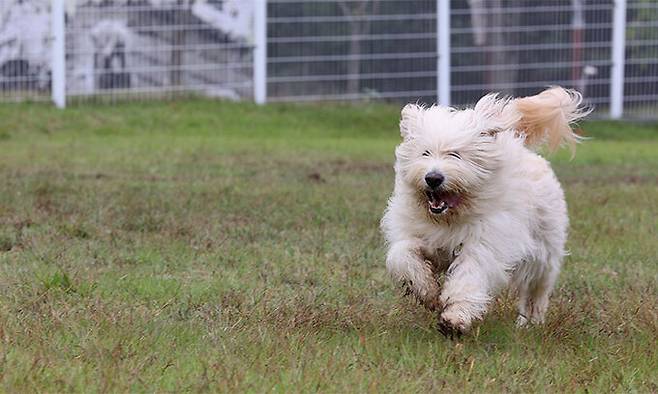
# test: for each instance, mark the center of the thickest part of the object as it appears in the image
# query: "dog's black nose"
(434, 179)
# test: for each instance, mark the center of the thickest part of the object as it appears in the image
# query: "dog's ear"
(493, 114)
(543, 118)
(410, 120)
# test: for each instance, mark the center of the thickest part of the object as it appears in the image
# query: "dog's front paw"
(429, 298)
(452, 325)
(521, 321)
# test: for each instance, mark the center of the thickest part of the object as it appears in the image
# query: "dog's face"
(451, 159)
(447, 157)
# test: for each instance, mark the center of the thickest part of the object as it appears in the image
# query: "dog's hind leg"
(407, 264)
(534, 283)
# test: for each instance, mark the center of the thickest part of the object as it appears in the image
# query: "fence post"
(443, 51)
(260, 51)
(58, 66)
(618, 60)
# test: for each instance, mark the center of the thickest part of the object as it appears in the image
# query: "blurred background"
(444, 51)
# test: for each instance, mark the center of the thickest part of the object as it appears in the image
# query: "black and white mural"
(147, 46)
(24, 45)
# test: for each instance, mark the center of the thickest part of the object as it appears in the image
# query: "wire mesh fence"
(126, 49)
(641, 70)
(121, 49)
(338, 50)
(25, 44)
(519, 50)
(351, 50)
(155, 50)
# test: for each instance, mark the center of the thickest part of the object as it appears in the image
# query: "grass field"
(214, 246)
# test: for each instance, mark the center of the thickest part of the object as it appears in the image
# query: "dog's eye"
(427, 153)
(454, 154)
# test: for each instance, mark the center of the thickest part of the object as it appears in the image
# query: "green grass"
(213, 246)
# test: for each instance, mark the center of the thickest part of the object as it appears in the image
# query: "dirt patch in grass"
(340, 166)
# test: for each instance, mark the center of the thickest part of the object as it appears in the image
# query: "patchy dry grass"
(212, 246)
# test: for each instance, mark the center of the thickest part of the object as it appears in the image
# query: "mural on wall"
(123, 44)
(24, 45)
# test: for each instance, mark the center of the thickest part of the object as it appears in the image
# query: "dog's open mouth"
(440, 201)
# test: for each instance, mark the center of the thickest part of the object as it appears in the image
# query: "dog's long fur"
(507, 217)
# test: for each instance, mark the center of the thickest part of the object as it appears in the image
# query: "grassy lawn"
(215, 246)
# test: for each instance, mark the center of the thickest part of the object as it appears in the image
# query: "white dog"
(471, 200)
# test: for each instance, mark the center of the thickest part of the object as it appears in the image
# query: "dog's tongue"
(451, 199)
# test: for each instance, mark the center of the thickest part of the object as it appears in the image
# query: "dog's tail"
(548, 117)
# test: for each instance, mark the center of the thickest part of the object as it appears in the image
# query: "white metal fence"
(346, 50)
(311, 50)
(640, 79)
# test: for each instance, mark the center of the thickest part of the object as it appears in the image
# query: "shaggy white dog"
(473, 201)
